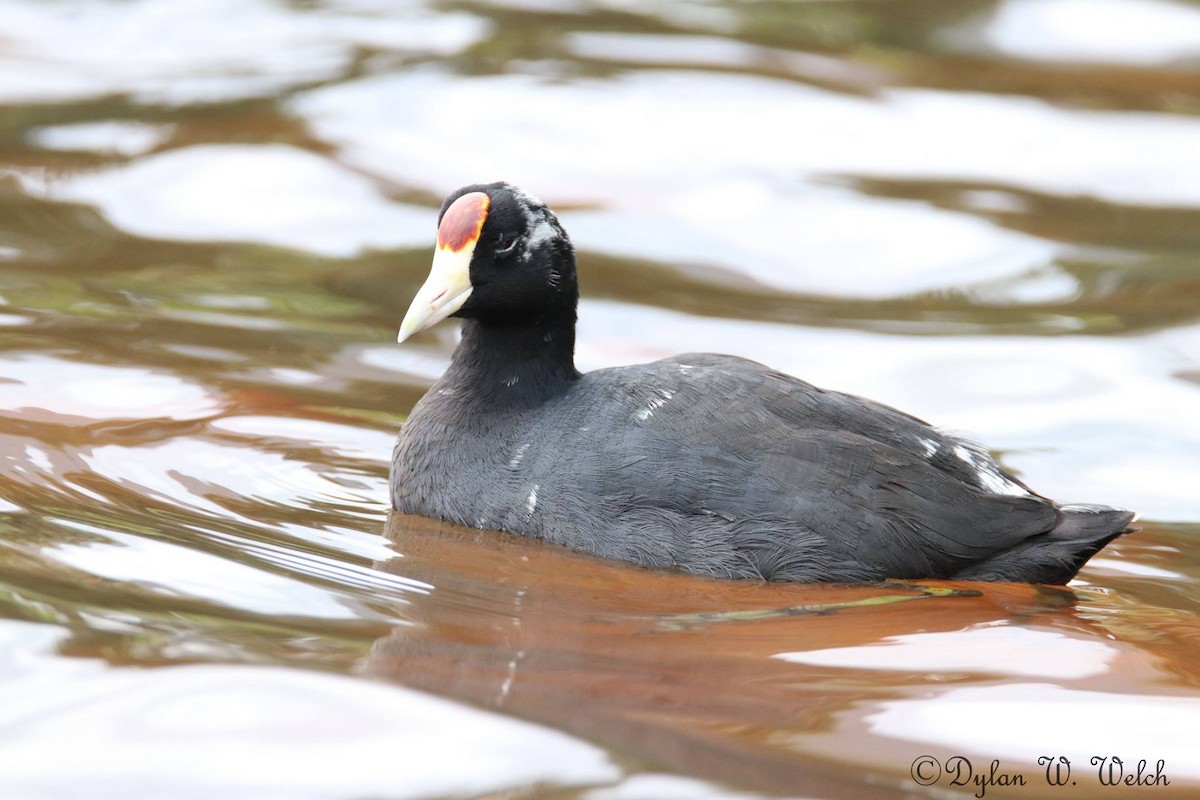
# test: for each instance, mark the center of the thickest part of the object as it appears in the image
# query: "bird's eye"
(506, 243)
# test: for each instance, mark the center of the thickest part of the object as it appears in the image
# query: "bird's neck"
(521, 363)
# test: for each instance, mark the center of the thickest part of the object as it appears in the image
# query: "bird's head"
(501, 257)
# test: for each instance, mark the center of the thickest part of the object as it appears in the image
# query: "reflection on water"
(213, 215)
(774, 686)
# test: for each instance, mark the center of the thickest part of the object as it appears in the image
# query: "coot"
(708, 463)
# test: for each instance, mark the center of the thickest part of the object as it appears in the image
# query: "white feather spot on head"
(541, 231)
(537, 223)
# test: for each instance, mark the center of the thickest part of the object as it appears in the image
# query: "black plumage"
(708, 463)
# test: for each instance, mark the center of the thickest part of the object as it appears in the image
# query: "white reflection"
(348, 441)
(715, 51)
(180, 571)
(705, 129)
(22, 647)
(656, 786)
(38, 458)
(554, 6)
(201, 474)
(1008, 722)
(217, 319)
(737, 213)
(122, 138)
(683, 14)
(295, 377)
(186, 51)
(1133, 568)
(813, 240)
(1129, 31)
(422, 363)
(712, 51)
(997, 649)
(272, 193)
(1045, 285)
(81, 729)
(75, 389)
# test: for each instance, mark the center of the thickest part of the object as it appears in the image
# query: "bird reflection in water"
(681, 671)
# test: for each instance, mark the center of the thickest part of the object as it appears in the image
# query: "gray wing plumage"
(798, 480)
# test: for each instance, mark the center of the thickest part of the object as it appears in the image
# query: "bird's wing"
(725, 437)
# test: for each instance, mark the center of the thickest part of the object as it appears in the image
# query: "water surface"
(213, 215)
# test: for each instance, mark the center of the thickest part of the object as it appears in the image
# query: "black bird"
(708, 463)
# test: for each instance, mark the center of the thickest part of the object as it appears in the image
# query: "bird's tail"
(1056, 556)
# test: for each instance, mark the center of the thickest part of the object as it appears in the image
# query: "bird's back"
(721, 466)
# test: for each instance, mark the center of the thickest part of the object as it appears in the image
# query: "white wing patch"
(988, 473)
(929, 447)
(519, 454)
(531, 501)
(654, 403)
